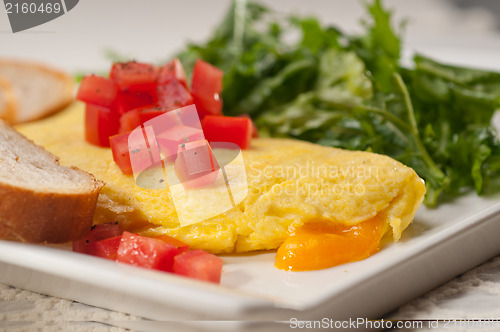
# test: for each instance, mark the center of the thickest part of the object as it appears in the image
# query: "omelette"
(292, 185)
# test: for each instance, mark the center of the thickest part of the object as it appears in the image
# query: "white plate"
(440, 244)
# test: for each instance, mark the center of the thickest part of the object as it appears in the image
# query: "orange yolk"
(320, 245)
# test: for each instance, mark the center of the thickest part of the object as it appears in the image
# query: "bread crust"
(46, 216)
(39, 217)
(8, 113)
(65, 99)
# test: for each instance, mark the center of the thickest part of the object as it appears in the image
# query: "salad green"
(297, 78)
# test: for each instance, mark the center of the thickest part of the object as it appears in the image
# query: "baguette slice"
(38, 90)
(8, 103)
(41, 201)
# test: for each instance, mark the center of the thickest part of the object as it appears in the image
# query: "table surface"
(152, 30)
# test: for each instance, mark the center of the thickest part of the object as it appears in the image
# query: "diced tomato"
(184, 116)
(121, 153)
(196, 165)
(173, 94)
(188, 116)
(147, 252)
(171, 138)
(97, 90)
(85, 245)
(134, 75)
(206, 86)
(104, 231)
(172, 71)
(228, 129)
(97, 233)
(144, 150)
(100, 123)
(128, 100)
(129, 121)
(107, 248)
(136, 117)
(172, 241)
(255, 130)
(149, 113)
(199, 264)
(136, 93)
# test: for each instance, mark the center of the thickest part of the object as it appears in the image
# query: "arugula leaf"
(379, 48)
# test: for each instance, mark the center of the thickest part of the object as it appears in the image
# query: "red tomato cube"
(135, 151)
(136, 117)
(196, 165)
(173, 94)
(129, 121)
(255, 130)
(171, 138)
(100, 123)
(172, 71)
(104, 231)
(107, 248)
(147, 252)
(149, 113)
(128, 100)
(97, 233)
(134, 75)
(188, 116)
(200, 265)
(206, 86)
(97, 90)
(144, 150)
(184, 116)
(228, 129)
(121, 153)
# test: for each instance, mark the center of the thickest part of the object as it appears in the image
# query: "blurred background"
(457, 31)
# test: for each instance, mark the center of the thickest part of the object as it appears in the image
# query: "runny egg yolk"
(320, 245)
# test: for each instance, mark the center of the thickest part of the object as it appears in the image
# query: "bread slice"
(38, 90)
(41, 201)
(8, 103)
